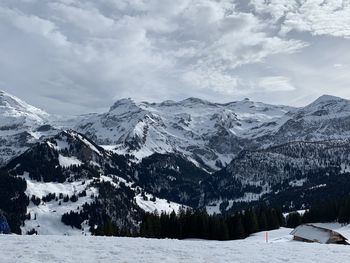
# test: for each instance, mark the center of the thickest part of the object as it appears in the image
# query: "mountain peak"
(17, 107)
(168, 103)
(193, 100)
(126, 102)
(8, 100)
(327, 98)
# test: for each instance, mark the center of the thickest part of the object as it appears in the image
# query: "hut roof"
(343, 230)
(312, 233)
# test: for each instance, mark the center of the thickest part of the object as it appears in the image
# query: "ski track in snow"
(35, 249)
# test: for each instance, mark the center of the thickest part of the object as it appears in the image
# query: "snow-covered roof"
(319, 232)
(343, 230)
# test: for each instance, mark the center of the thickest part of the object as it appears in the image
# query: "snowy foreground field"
(52, 249)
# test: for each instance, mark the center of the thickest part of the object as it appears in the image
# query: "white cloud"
(84, 54)
(87, 19)
(275, 83)
(319, 17)
(215, 81)
(32, 24)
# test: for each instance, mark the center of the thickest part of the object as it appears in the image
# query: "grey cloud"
(78, 56)
(318, 17)
(275, 83)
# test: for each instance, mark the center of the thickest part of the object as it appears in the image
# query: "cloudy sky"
(78, 56)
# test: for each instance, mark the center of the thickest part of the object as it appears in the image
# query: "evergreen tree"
(293, 220)
(238, 232)
(198, 224)
(262, 220)
(250, 222)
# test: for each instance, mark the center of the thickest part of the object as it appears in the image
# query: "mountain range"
(110, 167)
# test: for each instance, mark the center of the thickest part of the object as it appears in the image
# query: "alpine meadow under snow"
(280, 249)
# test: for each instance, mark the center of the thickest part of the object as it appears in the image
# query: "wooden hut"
(318, 234)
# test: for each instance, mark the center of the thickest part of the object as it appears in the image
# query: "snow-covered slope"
(211, 134)
(179, 145)
(292, 176)
(32, 249)
(327, 118)
(207, 133)
(21, 125)
(69, 173)
(17, 112)
(45, 217)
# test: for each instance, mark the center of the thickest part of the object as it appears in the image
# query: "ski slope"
(87, 249)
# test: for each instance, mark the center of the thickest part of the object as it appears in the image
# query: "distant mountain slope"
(210, 134)
(172, 177)
(21, 125)
(327, 118)
(158, 156)
(68, 173)
(292, 175)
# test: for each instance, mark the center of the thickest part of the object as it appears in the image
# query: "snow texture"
(159, 205)
(68, 161)
(179, 126)
(46, 217)
(19, 126)
(87, 249)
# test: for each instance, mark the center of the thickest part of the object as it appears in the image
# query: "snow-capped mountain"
(212, 134)
(69, 178)
(327, 118)
(17, 112)
(107, 169)
(209, 134)
(21, 125)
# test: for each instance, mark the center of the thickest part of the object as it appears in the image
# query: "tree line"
(191, 223)
(13, 200)
(330, 211)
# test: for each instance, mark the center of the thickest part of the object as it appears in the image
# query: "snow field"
(85, 249)
(46, 217)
